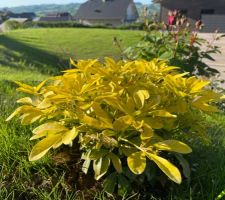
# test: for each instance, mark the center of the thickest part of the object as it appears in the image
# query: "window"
(98, 11)
(183, 11)
(207, 12)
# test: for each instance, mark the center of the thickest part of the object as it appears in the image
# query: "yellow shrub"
(115, 110)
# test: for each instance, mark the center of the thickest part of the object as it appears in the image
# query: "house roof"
(29, 15)
(103, 9)
(20, 20)
(54, 19)
(58, 16)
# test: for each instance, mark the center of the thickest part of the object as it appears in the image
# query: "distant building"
(19, 20)
(8, 14)
(3, 15)
(56, 17)
(4, 26)
(107, 12)
(211, 12)
(28, 15)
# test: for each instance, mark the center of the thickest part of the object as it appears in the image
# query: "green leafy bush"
(74, 24)
(123, 116)
(180, 47)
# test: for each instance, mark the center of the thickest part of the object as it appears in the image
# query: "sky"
(12, 3)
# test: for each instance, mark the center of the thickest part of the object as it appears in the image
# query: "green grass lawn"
(48, 50)
(30, 56)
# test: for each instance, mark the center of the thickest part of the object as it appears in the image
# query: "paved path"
(219, 64)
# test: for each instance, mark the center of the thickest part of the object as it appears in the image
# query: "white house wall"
(131, 12)
(213, 23)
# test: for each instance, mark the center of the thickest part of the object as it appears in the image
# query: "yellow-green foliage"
(116, 111)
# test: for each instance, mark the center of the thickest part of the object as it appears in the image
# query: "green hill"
(46, 8)
(153, 8)
(72, 8)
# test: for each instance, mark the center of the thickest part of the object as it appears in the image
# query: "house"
(4, 14)
(27, 15)
(19, 20)
(56, 17)
(210, 12)
(8, 14)
(6, 27)
(107, 12)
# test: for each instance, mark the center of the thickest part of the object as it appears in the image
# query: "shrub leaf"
(168, 168)
(137, 162)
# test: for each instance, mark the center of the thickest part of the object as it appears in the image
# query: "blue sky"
(11, 3)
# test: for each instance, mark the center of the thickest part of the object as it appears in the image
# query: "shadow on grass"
(18, 54)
